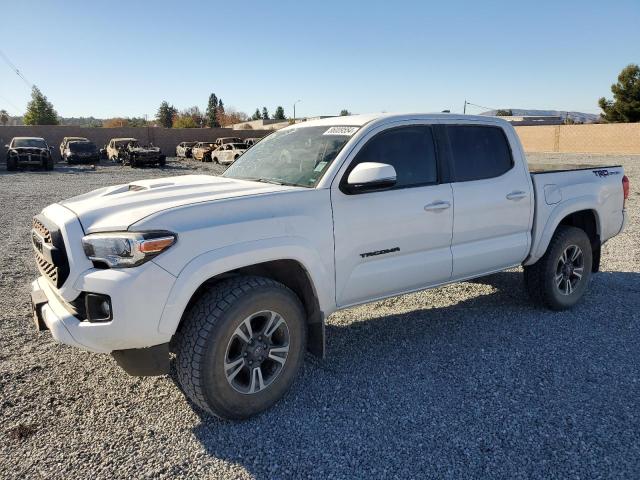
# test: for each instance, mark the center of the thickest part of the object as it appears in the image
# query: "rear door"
(492, 192)
(396, 240)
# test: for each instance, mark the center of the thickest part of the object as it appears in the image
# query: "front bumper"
(138, 296)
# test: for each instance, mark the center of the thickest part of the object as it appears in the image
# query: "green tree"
(212, 112)
(625, 106)
(221, 106)
(256, 115)
(40, 111)
(184, 121)
(345, 113)
(4, 117)
(165, 114)
(504, 113)
(279, 115)
(265, 113)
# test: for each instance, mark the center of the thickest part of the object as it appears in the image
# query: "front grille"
(51, 255)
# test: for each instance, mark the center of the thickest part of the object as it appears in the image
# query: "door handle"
(517, 195)
(437, 206)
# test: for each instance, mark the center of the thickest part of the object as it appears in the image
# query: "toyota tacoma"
(236, 274)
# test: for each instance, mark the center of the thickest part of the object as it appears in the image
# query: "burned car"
(115, 147)
(81, 152)
(183, 150)
(202, 151)
(228, 153)
(29, 151)
(225, 140)
(65, 143)
(128, 151)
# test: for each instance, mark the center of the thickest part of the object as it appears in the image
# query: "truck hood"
(116, 208)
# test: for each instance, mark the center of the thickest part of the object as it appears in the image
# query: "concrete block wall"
(165, 138)
(620, 138)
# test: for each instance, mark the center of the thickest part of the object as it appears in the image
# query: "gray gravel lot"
(468, 380)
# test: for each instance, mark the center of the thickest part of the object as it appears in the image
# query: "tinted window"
(478, 152)
(410, 150)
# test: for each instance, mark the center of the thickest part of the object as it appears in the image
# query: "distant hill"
(578, 117)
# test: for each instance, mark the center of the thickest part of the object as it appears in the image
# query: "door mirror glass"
(370, 176)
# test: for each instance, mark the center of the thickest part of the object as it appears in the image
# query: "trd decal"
(380, 252)
(604, 173)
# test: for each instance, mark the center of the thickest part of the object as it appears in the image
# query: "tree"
(165, 114)
(625, 106)
(40, 111)
(212, 111)
(184, 121)
(115, 122)
(4, 117)
(345, 113)
(265, 113)
(189, 118)
(504, 113)
(279, 115)
(256, 115)
(221, 106)
(231, 116)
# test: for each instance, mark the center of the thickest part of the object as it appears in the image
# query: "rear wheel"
(241, 346)
(559, 279)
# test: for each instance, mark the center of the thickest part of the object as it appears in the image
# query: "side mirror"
(371, 176)
(6, 146)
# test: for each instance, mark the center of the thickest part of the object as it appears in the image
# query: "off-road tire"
(203, 338)
(539, 277)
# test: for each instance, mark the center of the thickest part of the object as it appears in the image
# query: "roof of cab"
(363, 119)
(28, 138)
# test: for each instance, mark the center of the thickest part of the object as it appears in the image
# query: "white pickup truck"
(235, 274)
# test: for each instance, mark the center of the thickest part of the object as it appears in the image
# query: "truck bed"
(538, 168)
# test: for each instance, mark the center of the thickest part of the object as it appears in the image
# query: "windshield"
(29, 142)
(296, 156)
(82, 146)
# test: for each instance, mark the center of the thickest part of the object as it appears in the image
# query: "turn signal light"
(625, 189)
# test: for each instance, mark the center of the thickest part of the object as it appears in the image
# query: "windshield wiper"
(272, 181)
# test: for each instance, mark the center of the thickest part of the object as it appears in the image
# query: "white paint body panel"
(224, 224)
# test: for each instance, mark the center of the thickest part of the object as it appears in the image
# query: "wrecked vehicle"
(183, 150)
(202, 151)
(225, 140)
(67, 140)
(29, 152)
(81, 152)
(128, 151)
(228, 153)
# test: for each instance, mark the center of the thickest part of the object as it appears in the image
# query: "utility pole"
(464, 109)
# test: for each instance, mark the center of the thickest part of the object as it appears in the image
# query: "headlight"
(126, 249)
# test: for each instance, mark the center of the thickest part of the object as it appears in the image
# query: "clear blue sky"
(113, 58)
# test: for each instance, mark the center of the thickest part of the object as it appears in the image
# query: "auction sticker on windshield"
(348, 131)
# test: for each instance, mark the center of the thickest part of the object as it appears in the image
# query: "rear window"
(478, 152)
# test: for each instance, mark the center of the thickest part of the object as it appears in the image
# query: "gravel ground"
(468, 380)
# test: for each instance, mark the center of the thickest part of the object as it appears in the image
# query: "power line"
(476, 105)
(15, 69)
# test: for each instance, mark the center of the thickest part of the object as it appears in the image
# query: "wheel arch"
(587, 219)
(291, 271)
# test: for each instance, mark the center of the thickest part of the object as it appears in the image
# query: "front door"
(396, 240)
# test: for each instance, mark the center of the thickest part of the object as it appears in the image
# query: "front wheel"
(240, 346)
(559, 279)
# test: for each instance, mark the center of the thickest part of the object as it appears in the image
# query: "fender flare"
(216, 262)
(559, 213)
